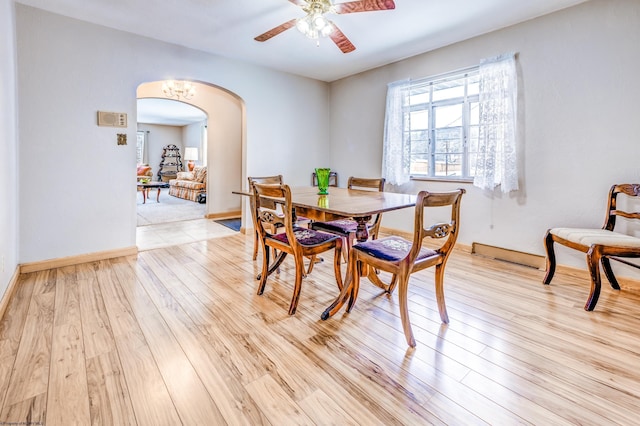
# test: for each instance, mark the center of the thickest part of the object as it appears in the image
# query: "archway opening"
(219, 142)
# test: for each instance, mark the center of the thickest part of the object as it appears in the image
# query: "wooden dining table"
(358, 205)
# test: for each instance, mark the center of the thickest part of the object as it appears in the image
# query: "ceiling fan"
(314, 24)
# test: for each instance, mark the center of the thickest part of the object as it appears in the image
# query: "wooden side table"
(145, 187)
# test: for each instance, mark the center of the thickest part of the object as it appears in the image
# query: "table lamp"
(190, 154)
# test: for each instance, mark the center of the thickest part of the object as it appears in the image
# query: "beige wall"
(9, 146)
(99, 69)
(578, 125)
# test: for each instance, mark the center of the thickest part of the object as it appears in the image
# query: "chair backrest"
(628, 189)
(265, 196)
(449, 230)
(366, 184)
(277, 179)
(369, 184)
(333, 179)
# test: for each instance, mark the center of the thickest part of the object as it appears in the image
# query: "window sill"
(445, 179)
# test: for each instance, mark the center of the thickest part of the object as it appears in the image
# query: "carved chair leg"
(403, 290)
(255, 245)
(265, 269)
(337, 270)
(393, 284)
(608, 272)
(275, 267)
(354, 271)
(593, 264)
(551, 258)
(297, 285)
(442, 306)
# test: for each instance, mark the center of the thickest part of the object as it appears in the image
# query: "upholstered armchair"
(189, 185)
(144, 172)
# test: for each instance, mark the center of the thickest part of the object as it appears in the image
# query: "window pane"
(420, 119)
(448, 116)
(419, 142)
(473, 87)
(449, 142)
(448, 90)
(448, 152)
(419, 164)
(474, 114)
(419, 97)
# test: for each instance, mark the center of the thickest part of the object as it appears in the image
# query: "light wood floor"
(178, 336)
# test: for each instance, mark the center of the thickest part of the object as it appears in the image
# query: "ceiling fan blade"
(275, 31)
(341, 40)
(364, 6)
(298, 2)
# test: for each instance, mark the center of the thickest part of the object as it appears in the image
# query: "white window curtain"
(396, 155)
(497, 161)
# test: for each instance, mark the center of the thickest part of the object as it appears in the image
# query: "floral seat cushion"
(391, 249)
(342, 226)
(305, 237)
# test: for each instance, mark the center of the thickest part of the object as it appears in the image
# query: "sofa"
(189, 185)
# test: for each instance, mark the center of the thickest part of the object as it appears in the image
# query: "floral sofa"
(189, 185)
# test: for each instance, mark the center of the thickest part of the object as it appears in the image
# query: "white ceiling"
(168, 112)
(228, 28)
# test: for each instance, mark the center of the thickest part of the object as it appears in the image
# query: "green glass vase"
(323, 180)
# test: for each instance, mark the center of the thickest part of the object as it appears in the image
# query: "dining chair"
(346, 228)
(277, 179)
(402, 257)
(297, 241)
(600, 245)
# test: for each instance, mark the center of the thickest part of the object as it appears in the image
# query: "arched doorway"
(224, 134)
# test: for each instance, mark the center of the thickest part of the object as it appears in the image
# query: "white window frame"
(426, 87)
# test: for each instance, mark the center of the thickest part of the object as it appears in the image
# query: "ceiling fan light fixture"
(314, 25)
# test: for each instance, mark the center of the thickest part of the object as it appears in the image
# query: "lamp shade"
(191, 153)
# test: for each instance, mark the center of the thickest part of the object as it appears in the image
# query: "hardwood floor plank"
(235, 404)
(189, 395)
(12, 328)
(97, 333)
(150, 399)
(178, 335)
(323, 410)
(275, 403)
(30, 375)
(110, 402)
(67, 398)
(30, 411)
(254, 322)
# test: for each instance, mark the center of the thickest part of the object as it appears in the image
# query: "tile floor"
(172, 233)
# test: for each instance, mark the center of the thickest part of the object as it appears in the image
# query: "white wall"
(579, 125)
(192, 136)
(70, 69)
(158, 137)
(8, 144)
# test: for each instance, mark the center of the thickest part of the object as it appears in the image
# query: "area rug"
(230, 223)
(169, 209)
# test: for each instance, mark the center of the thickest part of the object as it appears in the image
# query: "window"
(458, 126)
(140, 145)
(441, 126)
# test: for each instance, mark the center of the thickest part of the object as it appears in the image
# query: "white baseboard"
(8, 294)
(74, 260)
